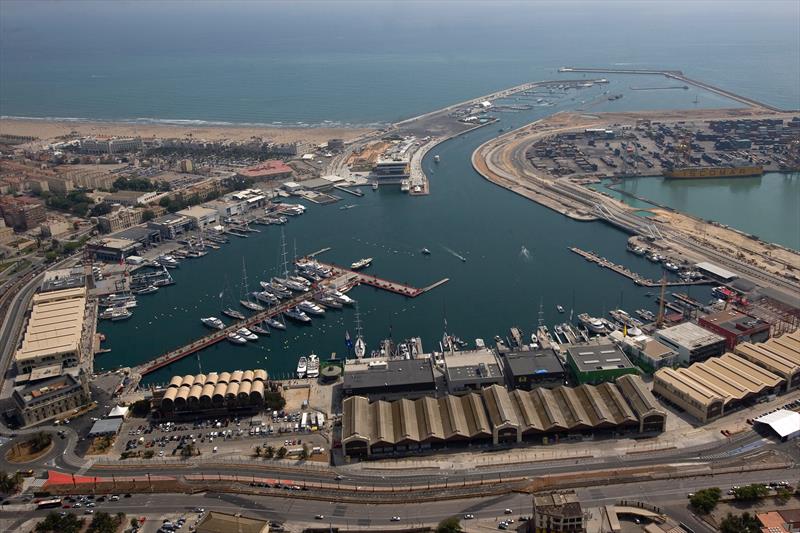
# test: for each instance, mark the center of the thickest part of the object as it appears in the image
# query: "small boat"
(360, 348)
(251, 305)
(302, 365)
(327, 300)
(425, 251)
(374, 185)
(594, 325)
(296, 314)
(436, 158)
(213, 322)
(266, 297)
(310, 308)
(247, 334)
(341, 297)
(361, 263)
(274, 323)
(259, 330)
(312, 366)
(150, 289)
(560, 309)
(236, 339)
(233, 313)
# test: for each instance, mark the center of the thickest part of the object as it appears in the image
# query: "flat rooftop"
(592, 357)
(533, 362)
(472, 364)
(271, 167)
(113, 243)
(404, 372)
(689, 335)
(55, 324)
(716, 271)
(734, 321)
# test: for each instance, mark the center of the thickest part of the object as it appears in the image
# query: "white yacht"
(312, 368)
(274, 323)
(296, 314)
(361, 263)
(311, 308)
(341, 297)
(236, 339)
(247, 334)
(302, 365)
(213, 322)
(594, 325)
(360, 348)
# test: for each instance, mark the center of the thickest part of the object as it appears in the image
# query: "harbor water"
(517, 259)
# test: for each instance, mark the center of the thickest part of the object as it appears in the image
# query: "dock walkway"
(633, 276)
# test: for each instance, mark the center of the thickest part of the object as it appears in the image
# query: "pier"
(354, 192)
(633, 276)
(342, 278)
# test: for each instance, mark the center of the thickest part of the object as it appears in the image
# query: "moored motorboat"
(302, 366)
(247, 334)
(236, 339)
(296, 314)
(233, 313)
(213, 322)
(311, 308)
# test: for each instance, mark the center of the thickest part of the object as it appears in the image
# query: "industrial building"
(228, 390)
(557, 512)
(54, 334)
(645, 351)
(598, 361)
(780, 356)
(46, 399)
(173, 224)
(783, 423)
(471, 370)
(716, 272)
(380, 379)
(735, 327)
(201, 216)
(534, 368)
(112, 249)
(266, 170)
(692, 342)
(713, 388)
(494, 416)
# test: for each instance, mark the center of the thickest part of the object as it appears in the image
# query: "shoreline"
(48, 129)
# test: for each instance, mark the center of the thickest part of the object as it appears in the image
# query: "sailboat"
(229, 311)
(245, 301)
(360, 348)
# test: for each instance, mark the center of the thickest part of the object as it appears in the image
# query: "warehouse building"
(494, 416)
(598, 361)
(780, 356)
(534, 368)
(225, 390)
(379, 379)
(54, 334)
(735, 327)
(472, 370)
(715, 387)
(692, 342)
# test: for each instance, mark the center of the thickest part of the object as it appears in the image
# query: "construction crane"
(660, 319)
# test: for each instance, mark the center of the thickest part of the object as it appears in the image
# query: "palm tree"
(269, 453)
(258, 451)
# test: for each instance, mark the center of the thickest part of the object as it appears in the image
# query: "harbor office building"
(735, 327)
(535, 368)
(56, 332)
(377, 379)
(50, 398)
(691, 342)
(497, 416)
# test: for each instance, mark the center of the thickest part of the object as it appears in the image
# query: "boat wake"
(524, 254)
(455, 254)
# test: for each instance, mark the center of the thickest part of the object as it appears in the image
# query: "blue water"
(364, 63)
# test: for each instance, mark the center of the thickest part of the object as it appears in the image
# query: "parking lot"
(222, 435)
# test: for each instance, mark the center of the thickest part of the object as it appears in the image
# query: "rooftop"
(266, 169)
(472, 364)
(44, 389)
(591, 357)
(135, 233)
(533, 362)
(395, 373)
(170, 218)
(689, 335)
(734, 321)
(105, 426)
(197, 211)
(55, 324)
(216, 522)
(716, 271)
(562, 503)
(113, 243)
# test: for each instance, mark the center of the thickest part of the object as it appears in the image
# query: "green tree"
(55, 523)
(269, 453)
(281, 453)
(10, 483)
(134, 523)
(783, 494)
(305, 453)
(148, 454)
(706, 499)
(148, 214)
(105, 523)
(744, 523)
(750, 492)
(103, 208)
(258, 451)
(449, 525)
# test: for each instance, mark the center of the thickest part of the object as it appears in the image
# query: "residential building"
(691, 342)
(120, 218)
(534, 368)
(22, 213)
(557, 512)
(598, 361)
(736, 327)
(113, 145)
(187, 166)
(51, 398)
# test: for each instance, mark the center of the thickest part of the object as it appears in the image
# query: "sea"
(357, 63)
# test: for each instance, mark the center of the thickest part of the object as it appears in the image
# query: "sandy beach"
(44, 130)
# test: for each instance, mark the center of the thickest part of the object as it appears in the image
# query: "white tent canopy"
(118, 412)
(783, 422)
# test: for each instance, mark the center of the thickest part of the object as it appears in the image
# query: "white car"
(508, 511)
(395, 519)
(215, 449)
(469, 516)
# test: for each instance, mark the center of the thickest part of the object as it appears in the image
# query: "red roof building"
(267, 170)
(736, 327)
